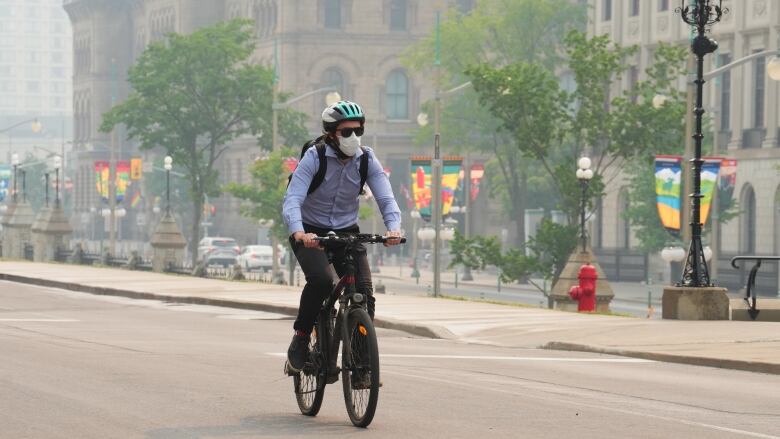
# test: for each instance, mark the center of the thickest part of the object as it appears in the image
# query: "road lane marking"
(580, 405)
(41, 320)
(500, 358)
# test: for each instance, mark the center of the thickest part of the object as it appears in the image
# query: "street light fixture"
(584, 175)
(168, 166)
(702, 15)
(57, 166)
(15, 163)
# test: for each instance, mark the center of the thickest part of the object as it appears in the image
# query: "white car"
(219, 251)
(256, 257)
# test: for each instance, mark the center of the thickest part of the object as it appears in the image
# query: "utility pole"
(112, 168)
(436, 167)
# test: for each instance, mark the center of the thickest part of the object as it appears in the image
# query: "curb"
(428, 331)
(748, 366)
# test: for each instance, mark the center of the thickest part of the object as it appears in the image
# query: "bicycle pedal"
(333, 377)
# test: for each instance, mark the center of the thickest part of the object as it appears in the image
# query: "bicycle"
(351, 325)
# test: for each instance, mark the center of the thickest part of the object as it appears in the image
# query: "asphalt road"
(80, 366)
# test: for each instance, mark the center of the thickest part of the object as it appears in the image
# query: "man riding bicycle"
(316, 204)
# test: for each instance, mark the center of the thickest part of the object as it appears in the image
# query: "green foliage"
(264, 196)
(476, 253)
(545, 253)
(495, 33)
(192, 95)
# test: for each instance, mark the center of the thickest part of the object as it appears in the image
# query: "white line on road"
(488, 357)
(580, 405)
(40, 320)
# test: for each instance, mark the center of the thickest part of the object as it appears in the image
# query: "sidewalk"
(752, 346)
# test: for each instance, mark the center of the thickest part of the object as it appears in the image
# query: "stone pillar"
(168, 244)
(686, 303)
(568, 278)
(51, 231)
(8, 236)
(19, 227)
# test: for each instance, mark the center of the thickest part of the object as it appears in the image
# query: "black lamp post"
(24, 186)
(57, 165)
(168, 167)
(701, 14)
(15, 162)
(46, 188)
(584, 175)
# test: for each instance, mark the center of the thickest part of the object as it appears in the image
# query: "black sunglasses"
(347, 132)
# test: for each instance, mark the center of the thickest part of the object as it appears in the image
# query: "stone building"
(315, 43)
(35, 72)
(745, 104)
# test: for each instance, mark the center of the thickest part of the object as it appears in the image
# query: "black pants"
(322, 277)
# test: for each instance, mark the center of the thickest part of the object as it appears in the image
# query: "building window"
(634, 11)
(397, 95)
(725, 94)
(333, 77)
(760, 88)
(398, 15)
(332, 11)
(663, 5)
(748, 221)
(465, 6)
(606, 8)
(633, 79)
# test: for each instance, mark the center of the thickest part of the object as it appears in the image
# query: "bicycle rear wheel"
(360, 368)
(309, 383)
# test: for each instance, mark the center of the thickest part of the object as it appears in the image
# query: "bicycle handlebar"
(360, 238)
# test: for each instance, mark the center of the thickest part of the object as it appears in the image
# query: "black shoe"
(297, 353)
(362, 380)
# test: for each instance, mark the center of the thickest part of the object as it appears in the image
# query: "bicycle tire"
(309, 383)
(360, 356)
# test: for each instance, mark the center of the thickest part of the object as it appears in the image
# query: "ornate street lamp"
(702, 14)
(15, 163)
(57, 166)
(168, 166)
(584, 175)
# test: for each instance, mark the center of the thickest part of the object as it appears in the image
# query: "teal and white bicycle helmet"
(339, 112)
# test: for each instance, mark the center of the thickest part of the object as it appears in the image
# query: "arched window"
(398, 15)
(465, 6)
(333, 77)
(332, 10)
(397, 90)
(747, 221)
(624, 226)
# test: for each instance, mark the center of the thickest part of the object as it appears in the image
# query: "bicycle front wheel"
(309, 383)
(360, 368)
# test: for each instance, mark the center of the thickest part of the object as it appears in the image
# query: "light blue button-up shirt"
(335, 203)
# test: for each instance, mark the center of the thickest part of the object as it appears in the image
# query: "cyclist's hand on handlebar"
(396, 235)
(307, 239)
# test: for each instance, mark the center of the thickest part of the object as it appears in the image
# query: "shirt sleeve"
(383, 193)
(299, 190)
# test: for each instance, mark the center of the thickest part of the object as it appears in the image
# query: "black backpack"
(316, 181)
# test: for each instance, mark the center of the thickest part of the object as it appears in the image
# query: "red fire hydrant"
(585, 292)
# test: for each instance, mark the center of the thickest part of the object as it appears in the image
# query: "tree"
(497, 33)
(192, 95)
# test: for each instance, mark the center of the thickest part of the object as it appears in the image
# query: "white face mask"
(349, 145)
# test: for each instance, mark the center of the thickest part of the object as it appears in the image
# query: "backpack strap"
(319, 177)
(363, 170)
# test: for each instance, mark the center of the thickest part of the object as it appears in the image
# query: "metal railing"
(750, 288)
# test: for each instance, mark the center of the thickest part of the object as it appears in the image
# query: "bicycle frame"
(344, 292)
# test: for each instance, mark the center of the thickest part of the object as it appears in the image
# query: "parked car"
(219, 251)
(256, 257)
(225, 257)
